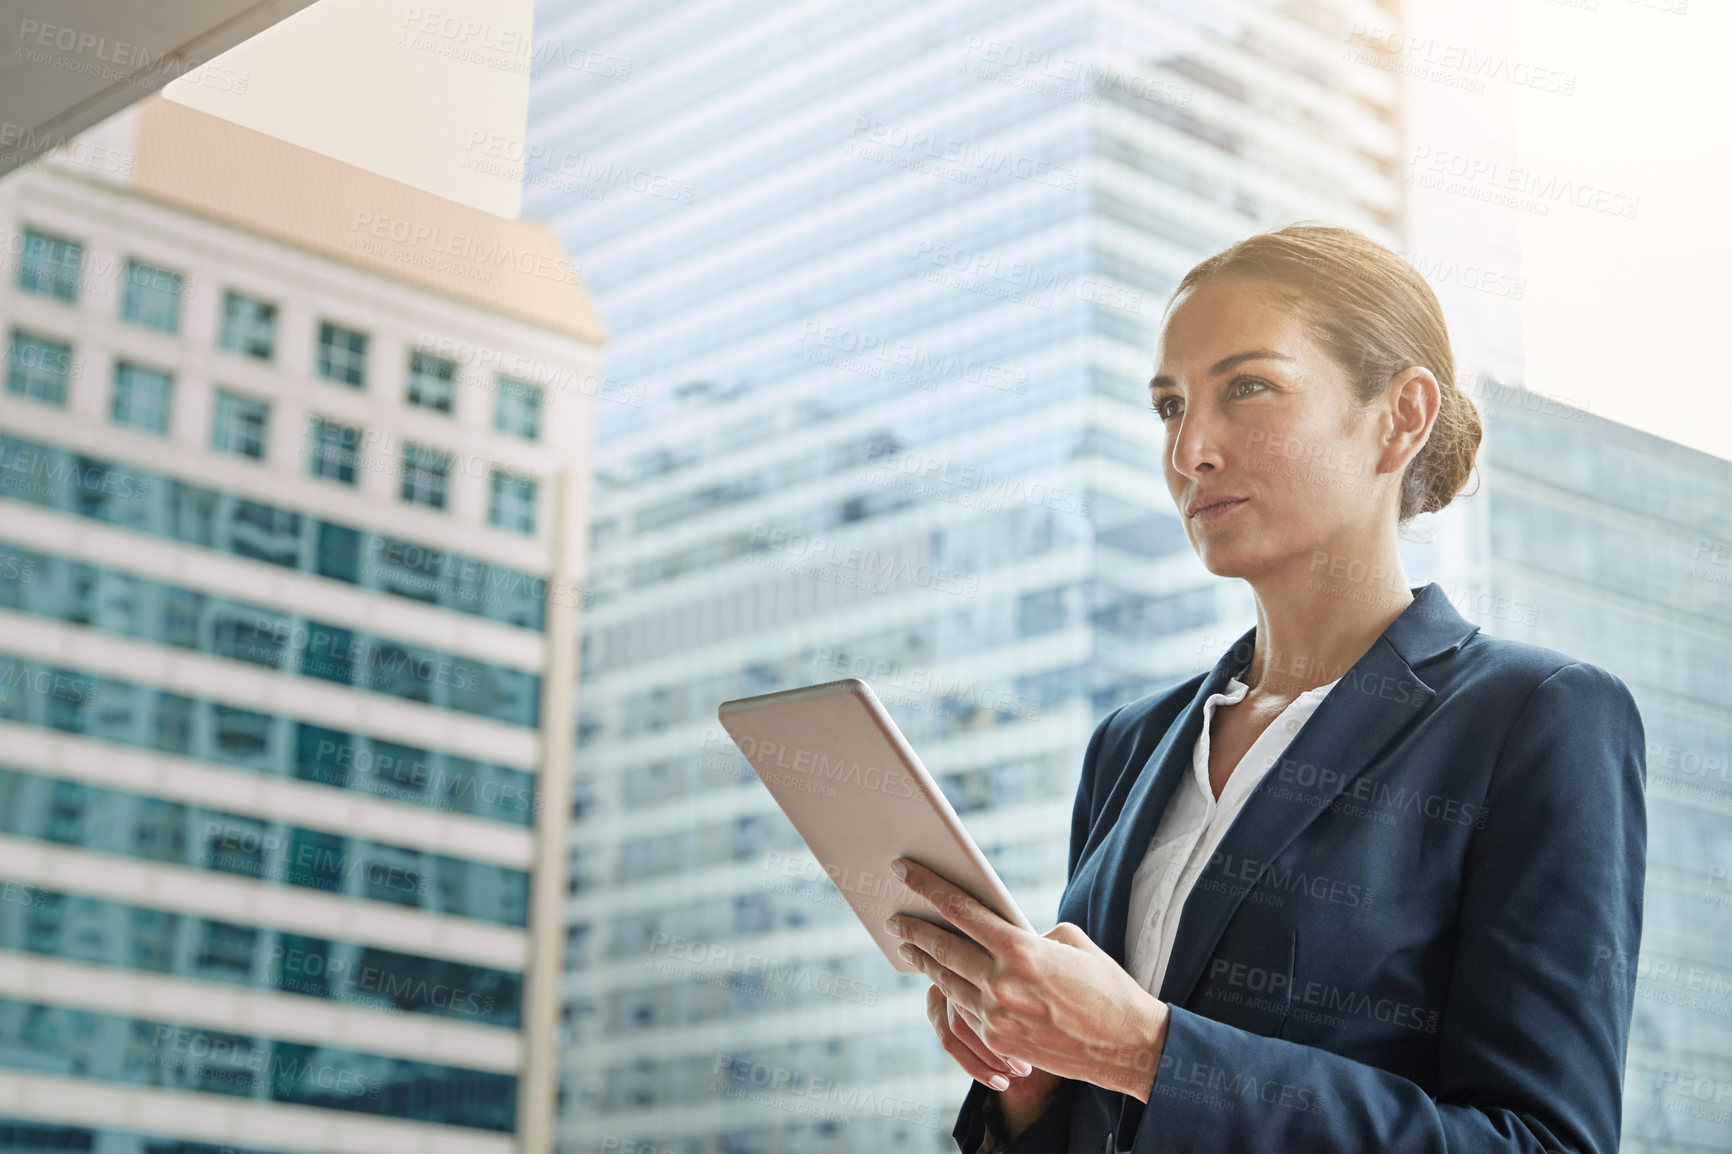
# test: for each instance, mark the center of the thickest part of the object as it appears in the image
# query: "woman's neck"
(1307, 641)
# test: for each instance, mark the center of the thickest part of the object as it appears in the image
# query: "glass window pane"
(334, 450)
(519, 408)
(425, 472)
(37, 367)
(513, 502)
(238, 425)
(342, 355)
(249, 326)
(140, 397)
(49, 265)
(150, 297)
(430, 381)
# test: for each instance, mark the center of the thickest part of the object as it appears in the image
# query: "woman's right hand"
(1029, 1088)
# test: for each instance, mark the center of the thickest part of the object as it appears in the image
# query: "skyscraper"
(293, 480)
(889, 277)
(1615, 546)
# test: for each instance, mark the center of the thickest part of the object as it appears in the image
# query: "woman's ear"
(1413, 398)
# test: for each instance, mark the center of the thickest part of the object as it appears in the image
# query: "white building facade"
(294, 465)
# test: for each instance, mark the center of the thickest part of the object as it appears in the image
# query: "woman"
(1408, 856)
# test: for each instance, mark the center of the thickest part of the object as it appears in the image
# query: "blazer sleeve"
(1051, 1131)
(1536, 1016)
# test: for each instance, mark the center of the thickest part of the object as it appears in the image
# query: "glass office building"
(285, 690)
(889, 278)
(1615, 546)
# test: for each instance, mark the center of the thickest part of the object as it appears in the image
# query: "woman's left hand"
(1056, 1000)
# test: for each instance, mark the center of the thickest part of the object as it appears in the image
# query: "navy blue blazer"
(1417, 936)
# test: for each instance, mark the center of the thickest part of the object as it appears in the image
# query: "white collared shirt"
(1190, 828)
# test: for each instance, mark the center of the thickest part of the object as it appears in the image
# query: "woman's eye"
(1159, 408)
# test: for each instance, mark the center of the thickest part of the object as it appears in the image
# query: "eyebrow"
(1223, 365)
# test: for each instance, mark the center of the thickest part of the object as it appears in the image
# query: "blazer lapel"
(1376, 699)
(1124, 847)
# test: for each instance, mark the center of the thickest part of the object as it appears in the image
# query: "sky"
(1616, 306)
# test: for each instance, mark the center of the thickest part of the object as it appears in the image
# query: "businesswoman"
(1374, 882)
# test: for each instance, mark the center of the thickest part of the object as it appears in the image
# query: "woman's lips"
(1216, 512)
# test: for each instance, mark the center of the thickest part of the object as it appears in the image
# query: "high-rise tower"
(889, 277)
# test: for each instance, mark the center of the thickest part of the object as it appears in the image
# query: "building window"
(229, 949)
(38, 367)
(513, 503)
(425, 472)
(238, 425)
(342, 354)
(49, 265)
(249, 326)
(334, 450)
(519, 409)
(150, 296)
(430, 381)
(140, 397)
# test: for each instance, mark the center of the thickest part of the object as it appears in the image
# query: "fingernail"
(897, 868)
(998, 1082)
(1023, 1069)
(891, 927)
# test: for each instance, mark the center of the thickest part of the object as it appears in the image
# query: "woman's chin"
(1225, 560)
(1223, 563)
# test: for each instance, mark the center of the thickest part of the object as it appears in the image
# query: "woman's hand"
(1056, 1001)
(1028, 1089)
(963, 1044)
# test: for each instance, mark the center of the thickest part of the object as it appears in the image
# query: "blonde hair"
(1375, 315)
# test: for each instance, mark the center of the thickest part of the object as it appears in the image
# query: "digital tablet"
(856, 793)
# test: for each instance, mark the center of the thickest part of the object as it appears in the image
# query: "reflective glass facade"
(25, 1136)
(131, 825)
(147, 501)
(133, 606)
(115, 1048)
(35, 693)
(1614, 546)
(80, 928)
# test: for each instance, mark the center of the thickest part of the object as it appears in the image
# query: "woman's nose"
(1196, 445)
